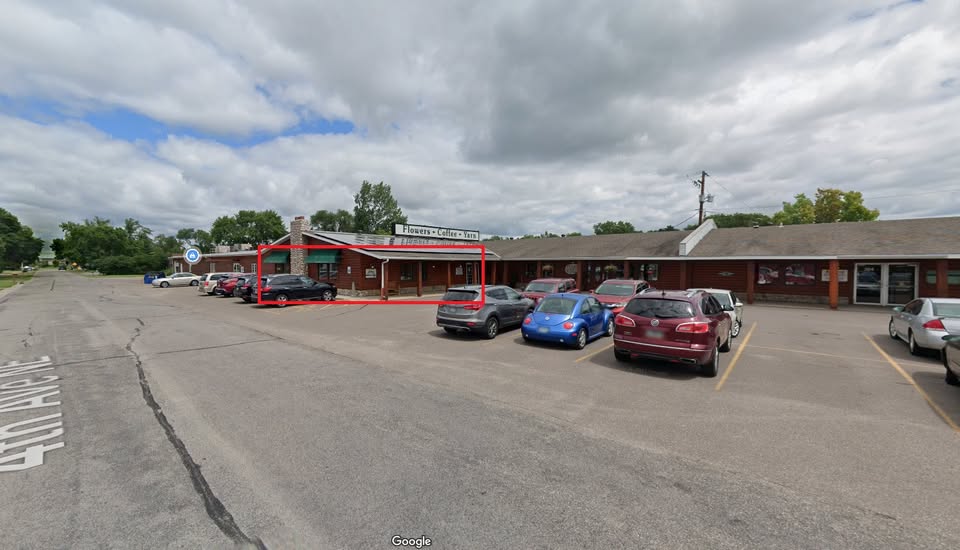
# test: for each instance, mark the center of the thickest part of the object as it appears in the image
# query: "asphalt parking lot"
(338, 424)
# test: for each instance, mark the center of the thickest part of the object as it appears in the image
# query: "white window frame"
(253, 267)
(176, 267)
(237, 267)
(213, 267)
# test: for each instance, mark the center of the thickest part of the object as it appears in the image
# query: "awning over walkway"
(323, 257)
(277, 257)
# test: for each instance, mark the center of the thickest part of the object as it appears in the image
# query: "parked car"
(615, 293)
(62, 268)
(177, 279)
(503, 307)
(571, 319)
(951, 358)
(208, 282)
(922, 323)
(286, 287)
(226, 285)
(239, 284)
(538, 288)
(677, 326)
(731, 304)
(248, 290)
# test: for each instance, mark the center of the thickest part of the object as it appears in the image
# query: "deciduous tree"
(376, 210)
(610, 227)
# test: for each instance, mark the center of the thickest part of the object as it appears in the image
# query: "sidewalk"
(405, 297)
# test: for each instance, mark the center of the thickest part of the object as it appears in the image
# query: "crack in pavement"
(215, 508)
(217, 347)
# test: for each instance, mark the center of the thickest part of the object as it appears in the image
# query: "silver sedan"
(923, 323)
(177, 279)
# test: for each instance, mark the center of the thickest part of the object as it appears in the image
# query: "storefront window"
(649, 272)
(953, 277)
(407, 272)
(768, 274)
(530, 270)
(237, 268)
(799, 274)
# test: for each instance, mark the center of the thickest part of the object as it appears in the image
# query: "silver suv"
(504, 307)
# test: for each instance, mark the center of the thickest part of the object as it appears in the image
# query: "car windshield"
(541, 287)
(723, 298)
(941, 309)
(557, 305)
(615, 289)
(460, 296)
(660, 308)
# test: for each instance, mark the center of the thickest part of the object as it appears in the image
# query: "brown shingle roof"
(922, 236)
(625, 245)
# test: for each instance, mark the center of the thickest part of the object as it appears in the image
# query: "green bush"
(130, 265)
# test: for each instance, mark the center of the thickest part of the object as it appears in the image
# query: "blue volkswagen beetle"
(571, 319)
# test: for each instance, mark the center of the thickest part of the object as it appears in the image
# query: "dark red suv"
(677, 326)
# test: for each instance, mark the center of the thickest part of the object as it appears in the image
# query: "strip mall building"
(879, 262)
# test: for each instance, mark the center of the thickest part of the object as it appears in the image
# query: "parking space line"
(913, 383)
(836, 356)
(589, 355)
(736, 357)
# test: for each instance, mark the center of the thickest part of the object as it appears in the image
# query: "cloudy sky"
(508, 117)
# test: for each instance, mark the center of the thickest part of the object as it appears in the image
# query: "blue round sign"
(192, 256)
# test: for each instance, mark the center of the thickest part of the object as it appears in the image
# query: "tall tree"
(195, 237)
(57, 246)
(247, 226)
(802, 210)
(574, 234)
(833, 205)
(741, 219)
(18, 245)
(267, 227)
(375, 210)
(341, 220)
(610, 227)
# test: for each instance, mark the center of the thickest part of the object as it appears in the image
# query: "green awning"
(323, 257)
(278, 257)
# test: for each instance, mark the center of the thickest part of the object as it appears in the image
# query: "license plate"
(543, 330)
(654, 334)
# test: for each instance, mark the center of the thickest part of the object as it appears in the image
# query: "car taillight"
(936, 324)
(473, 307)
(527, 321)
(267, 289)
(568, 325)
(624, 321)
(694, 328)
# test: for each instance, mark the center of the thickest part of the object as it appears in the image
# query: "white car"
(177, 279)
(208, 282)
(731, 305)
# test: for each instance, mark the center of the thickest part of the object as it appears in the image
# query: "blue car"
(571, 319)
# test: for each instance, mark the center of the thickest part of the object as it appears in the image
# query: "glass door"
(869, 279)
(901, 283)
(469, 273)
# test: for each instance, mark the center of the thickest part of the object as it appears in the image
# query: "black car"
(284, 288)
(248, 290)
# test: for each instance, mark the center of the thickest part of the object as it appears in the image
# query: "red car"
(226, 285)
(615, 293)
(677, 326)
(538, 288)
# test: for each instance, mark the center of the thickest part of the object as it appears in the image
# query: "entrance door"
(901, 283)
(469, 273)
(885, 284)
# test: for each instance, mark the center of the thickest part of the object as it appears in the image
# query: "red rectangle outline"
(483, 272)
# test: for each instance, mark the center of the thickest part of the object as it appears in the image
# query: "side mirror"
(739, 304)
(898, 309)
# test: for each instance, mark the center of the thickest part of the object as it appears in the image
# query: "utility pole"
(702, 184)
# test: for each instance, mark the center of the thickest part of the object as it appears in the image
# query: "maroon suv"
(538, 288)
(677, 326)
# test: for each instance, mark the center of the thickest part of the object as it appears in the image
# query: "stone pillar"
(298, 256)
(834, 284)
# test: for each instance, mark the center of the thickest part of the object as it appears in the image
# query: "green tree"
(741, 219)
(574, 234)
(496, 238)
(833, 205)
(195, 237)
(167, 245)
(18, 245)
(341, 220)
(57, 246)
(667, 228)
(610, 227)
(246, 226)
(375, 209)
(267, 227)
(802, 210)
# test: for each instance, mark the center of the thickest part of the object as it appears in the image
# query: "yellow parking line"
(830, 355)
(913, 383)
(736, 357)
(588, 356)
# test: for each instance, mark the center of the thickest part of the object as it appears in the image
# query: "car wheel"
(164, 285)
(622, 356)
(892, 330)
(952, 378)
(327, 296)
(282, 298)
(726, 345)
(735, 331)
(711, 368)
(194, 283)
(609, 330)
(449, 330)
(912, 344)
(491, 328)
(581, 339)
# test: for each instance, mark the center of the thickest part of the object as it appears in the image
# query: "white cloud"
(513, 117)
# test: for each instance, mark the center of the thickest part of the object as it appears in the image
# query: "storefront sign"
(459, 270)
(371, 273)
(407, 230)
(725, 274)
(841, 275)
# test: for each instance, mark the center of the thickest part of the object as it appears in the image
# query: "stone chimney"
(298, 256)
